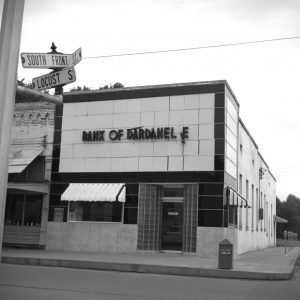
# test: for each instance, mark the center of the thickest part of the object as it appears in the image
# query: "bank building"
(151, 168)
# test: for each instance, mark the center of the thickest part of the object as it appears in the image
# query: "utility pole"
(10, 36)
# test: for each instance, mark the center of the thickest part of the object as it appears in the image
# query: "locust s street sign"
(51, 60)
(54, 79)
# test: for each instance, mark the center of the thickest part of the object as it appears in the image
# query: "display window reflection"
(23, 210)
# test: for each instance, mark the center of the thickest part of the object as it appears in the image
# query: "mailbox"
(225, 255)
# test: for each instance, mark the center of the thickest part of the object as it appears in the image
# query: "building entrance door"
(172, 222)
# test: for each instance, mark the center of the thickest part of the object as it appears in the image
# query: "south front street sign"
(54, 79)
(50, 60)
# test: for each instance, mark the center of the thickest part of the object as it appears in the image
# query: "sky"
(264, 76)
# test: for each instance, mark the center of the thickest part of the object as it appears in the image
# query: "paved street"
(31, 282)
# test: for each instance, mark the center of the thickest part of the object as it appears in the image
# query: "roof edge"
(249, 134)
(143, 87)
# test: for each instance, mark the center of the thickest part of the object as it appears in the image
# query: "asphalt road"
(32, 282)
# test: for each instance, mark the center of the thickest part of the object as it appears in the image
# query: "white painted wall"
(194, 111)
(254, 234)
(209, 238)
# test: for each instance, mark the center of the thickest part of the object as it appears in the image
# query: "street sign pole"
(10, 36)
(59, 89)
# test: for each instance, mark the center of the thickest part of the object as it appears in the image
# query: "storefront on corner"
(146, 169)
(29, 173)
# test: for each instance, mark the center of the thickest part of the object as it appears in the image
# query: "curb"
(145, 268)
(293, 264)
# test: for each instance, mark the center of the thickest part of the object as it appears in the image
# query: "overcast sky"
(264, 76)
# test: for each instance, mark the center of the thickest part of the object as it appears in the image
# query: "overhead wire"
(193, 48)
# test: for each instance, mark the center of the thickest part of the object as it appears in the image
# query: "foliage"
(289, 210)
(22, 83)
(80, 89)
(116, 85)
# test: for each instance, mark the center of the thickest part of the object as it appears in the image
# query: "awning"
(280, 220)
(94, 192)
(20, 159)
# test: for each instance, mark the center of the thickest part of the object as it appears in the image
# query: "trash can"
(225, 255)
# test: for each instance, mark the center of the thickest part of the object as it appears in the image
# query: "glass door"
(172, 222)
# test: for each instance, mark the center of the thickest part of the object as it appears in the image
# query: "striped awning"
(95, 192)
(20, 159)
(279, 220)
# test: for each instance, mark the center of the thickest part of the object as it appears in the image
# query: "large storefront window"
(23, 210)
(210, 205)
(95, 211)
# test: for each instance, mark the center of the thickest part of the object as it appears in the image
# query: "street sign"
(46, 60)
(54, 79)
(51, 60)
(76, 56)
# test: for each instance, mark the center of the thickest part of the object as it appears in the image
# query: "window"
(233, 209)
(173, 192)
(23, 210)
(241, 184)
(210, 202)
(260, 206)
(240, 209)
(257, 209)
(219, 130)
(210, 205)
(131, 209)
(252, 208)
(271, 219)
(265, 212)
(131, 204)
(211, 189)
(247, 209)
(95, 211)
(210, 218)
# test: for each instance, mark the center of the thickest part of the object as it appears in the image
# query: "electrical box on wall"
(261, 214)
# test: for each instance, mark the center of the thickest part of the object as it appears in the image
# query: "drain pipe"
(38, 96)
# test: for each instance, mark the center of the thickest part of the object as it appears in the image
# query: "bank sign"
(138, 133)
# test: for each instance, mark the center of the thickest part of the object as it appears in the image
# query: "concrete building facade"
(158, 168)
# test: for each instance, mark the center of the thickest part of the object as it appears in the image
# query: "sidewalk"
(266, 264)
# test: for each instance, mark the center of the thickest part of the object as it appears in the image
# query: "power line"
(192, 48)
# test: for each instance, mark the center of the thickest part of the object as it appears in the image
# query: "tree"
(80, 89)
(116, 85)
(289, 210)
